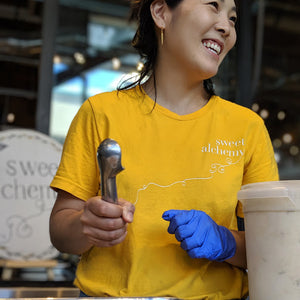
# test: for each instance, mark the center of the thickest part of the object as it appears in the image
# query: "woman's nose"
(223, 25)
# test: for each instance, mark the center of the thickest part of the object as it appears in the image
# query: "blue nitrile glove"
(199, 235)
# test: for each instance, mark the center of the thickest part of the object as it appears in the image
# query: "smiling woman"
(186, 153)
(205, 31)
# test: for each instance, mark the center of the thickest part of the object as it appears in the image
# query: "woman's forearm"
(239, 259)
(66, 232)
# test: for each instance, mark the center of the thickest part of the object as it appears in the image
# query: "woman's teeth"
(213, 47)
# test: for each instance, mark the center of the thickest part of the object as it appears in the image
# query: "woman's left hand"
(200, 236)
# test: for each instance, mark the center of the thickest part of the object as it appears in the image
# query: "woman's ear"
(159, 9)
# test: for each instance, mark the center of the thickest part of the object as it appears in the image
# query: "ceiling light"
(255, 107)
(281, 115)
(294, 150)
(264, 113)
(56, 59)
(10, 117)
(287, 138)
(116, 63)
(79, 57)
(277, 143)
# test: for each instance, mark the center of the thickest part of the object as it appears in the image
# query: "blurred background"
(56, 53)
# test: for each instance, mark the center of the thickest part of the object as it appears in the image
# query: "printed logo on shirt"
(229, 153)
(224, 147)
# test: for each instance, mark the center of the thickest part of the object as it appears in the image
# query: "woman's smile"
(198, 35)
(213, 46)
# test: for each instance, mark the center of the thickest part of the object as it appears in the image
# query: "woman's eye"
(233, 19)
(215, 4)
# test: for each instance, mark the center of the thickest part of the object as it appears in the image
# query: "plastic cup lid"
(270, 189)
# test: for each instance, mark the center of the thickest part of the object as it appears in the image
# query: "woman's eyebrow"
(233, 7)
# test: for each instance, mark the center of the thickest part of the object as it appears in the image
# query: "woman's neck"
(176, 92)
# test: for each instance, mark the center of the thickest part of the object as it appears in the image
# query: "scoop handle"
(109, 161)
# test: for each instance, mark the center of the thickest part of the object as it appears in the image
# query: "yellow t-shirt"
(195, 161)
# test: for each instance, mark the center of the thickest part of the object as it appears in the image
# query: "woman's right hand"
(104, 223)
(77, 225)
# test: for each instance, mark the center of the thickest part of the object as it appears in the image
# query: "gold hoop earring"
(162, 36)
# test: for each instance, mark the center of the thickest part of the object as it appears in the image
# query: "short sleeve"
(260, 163)
(78, 172)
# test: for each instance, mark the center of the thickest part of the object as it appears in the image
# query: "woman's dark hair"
(145, 42)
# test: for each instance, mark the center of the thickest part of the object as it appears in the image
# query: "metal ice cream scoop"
(109, 160)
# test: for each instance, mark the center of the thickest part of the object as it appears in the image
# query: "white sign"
(28, 162)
